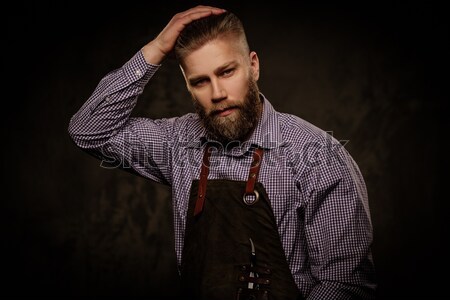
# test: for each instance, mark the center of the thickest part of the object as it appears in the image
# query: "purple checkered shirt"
(316, 190)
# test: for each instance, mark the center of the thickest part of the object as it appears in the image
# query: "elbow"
(76, 132)
(72, 130)
(85, 135)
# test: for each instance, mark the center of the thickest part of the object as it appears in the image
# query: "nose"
(218, 92)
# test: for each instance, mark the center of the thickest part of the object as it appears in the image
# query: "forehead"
(213, 55)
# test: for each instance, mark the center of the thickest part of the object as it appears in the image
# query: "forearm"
(110, 105)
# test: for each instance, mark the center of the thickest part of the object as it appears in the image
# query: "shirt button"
(107, 98)
(138, 72)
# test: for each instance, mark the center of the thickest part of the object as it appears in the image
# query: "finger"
(202, 9)
(199, 14)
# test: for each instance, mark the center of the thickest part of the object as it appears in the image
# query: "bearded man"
(266, 205)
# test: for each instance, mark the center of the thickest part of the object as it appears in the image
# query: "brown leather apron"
(232, 249)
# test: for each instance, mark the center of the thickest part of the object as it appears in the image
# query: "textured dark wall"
(373, 74)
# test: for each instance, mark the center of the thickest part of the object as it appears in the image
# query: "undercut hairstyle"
(201, 31)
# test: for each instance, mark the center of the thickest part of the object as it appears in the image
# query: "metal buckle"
(251, 198)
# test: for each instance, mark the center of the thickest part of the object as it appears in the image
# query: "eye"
(199, 83)
(227, 72)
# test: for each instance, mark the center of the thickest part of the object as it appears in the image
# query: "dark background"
(375, 74)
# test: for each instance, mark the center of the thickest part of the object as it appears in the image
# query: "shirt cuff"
(137, 69)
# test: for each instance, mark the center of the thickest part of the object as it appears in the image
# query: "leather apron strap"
(250, 195)
(203, 178)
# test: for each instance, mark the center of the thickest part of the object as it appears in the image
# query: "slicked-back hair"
(201, 31)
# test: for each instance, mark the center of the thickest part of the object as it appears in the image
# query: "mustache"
(220, 109)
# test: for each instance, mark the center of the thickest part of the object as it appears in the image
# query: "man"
(266, 205)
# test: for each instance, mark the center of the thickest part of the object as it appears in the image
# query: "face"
(222, 78)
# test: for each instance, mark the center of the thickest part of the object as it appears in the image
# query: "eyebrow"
(218, 70)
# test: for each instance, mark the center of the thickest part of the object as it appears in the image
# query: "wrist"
(152, 54)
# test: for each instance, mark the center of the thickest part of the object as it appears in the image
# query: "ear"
(254, 65)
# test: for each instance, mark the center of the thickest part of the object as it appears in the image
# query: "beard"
(238, 126)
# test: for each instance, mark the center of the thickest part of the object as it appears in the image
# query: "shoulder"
(187, 122)
(311, 147)
(297, 131)
(188, 127)
(319, 159)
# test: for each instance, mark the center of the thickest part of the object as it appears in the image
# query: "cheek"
(202, 100)
(237, 89)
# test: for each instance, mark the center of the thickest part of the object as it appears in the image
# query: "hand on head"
(155, 51)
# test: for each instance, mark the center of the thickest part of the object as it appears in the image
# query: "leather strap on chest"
(254, 171)
(251, 181)
(202, 184)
